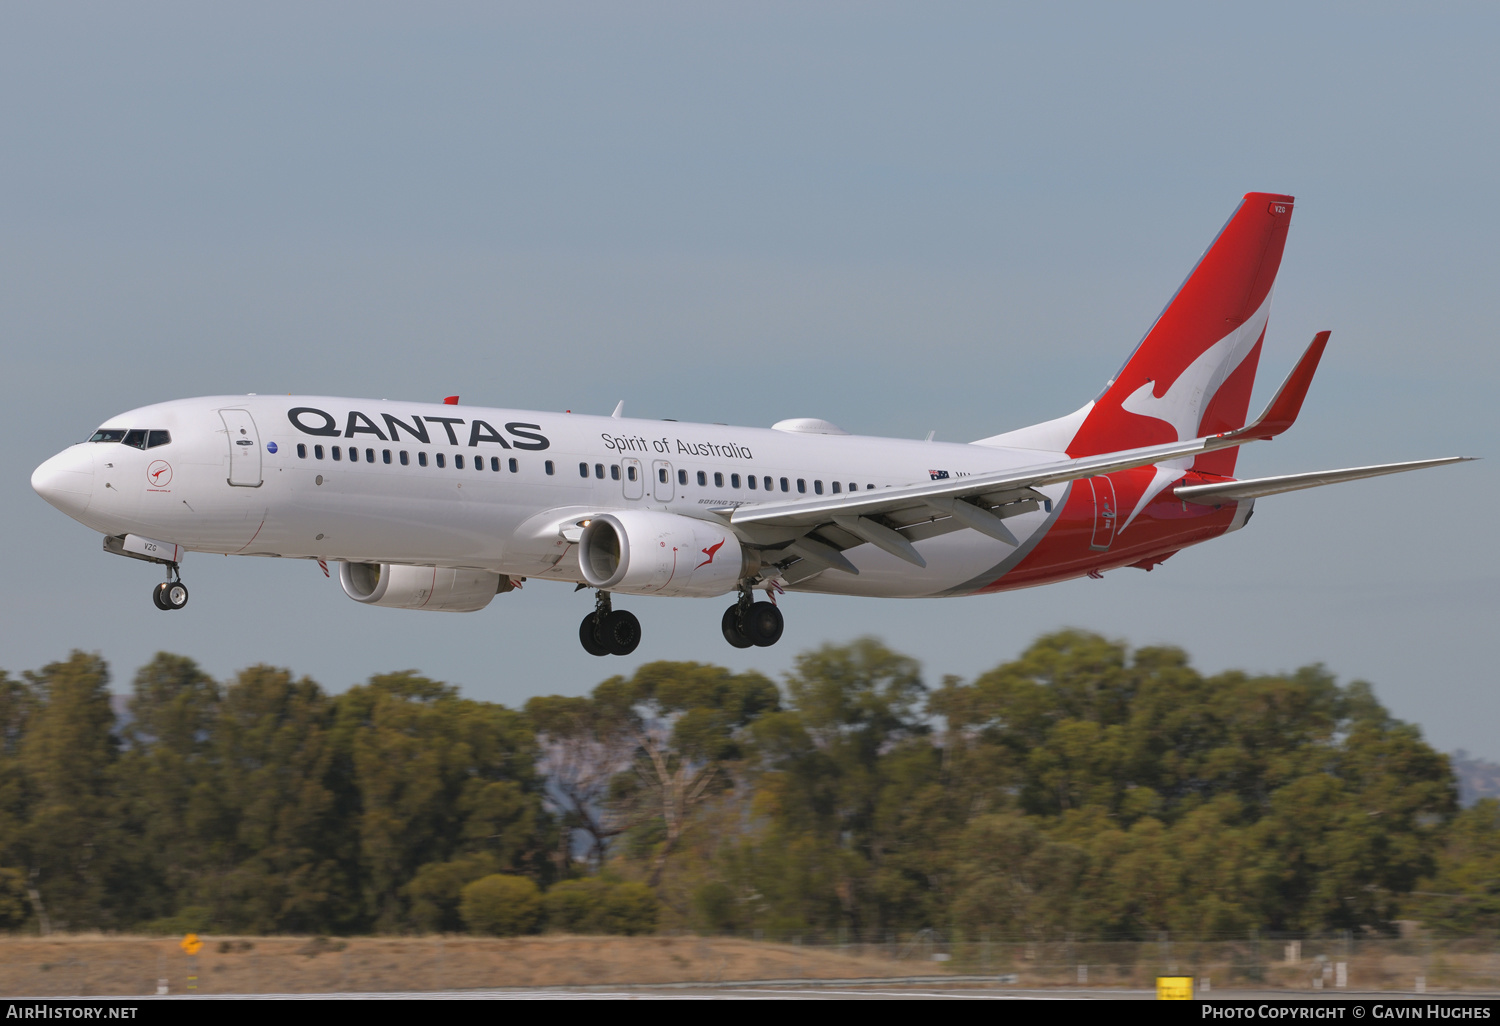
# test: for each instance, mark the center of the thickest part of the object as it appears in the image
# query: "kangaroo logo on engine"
(711, 552)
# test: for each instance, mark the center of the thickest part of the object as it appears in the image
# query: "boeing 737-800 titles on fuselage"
(442, 507)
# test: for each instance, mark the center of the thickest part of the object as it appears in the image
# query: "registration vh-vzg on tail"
(443, 507)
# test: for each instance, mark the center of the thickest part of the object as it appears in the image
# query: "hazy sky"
(895, 217)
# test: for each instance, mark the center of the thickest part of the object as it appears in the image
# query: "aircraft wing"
(1254, 488)
(892, 518)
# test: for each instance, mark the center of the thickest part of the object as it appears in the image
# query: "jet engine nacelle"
(421, 587)
(643, 552)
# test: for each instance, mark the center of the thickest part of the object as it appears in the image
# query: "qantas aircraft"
(442, 507)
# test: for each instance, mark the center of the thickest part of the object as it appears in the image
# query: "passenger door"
(635, 479)
(244, 448)
(661, 480)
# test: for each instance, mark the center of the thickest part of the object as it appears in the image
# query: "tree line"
(1084, 789)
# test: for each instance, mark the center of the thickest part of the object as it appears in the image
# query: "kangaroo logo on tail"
(1193, 372)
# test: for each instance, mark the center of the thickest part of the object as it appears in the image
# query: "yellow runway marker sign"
(1174, 988)
(191, 944)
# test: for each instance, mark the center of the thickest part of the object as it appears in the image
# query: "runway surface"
(813, 992)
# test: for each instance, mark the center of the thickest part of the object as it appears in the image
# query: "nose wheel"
(170, 595)
(608, 631)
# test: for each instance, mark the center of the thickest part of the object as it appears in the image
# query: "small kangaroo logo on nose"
(711, 552)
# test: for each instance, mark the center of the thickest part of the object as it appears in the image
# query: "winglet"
(1282, 411)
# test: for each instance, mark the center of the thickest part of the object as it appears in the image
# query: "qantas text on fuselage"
(442, 507)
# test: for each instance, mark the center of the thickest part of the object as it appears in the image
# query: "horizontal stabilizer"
(1234, 491)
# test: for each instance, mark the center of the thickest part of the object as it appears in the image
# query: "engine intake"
(421, 587)
(643, 552)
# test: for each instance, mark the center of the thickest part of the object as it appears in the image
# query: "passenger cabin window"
(768, 483)
(718, 480)
(661, 474)
(135, 439)
(405, 458)
(547, 466)
(734, 480)
(301, 451)
(750, 480)
(836, 487)
(801, 485)
(439, 458)
(818, 487)
(630, 473)
(458, 461)
(385, 455)
(495, 464)
(583, 470)
(155, 438)
(421, 459)
(784, 486)
(599, 471)
(108, 435)
(514, 466)
(614, 472)
(479, 462)
(338, 453)
(682, 477)
(702, 478)
(317, 452)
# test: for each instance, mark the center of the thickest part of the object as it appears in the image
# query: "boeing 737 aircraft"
(442, 507)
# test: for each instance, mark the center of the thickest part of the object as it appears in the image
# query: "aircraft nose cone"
(67, 480)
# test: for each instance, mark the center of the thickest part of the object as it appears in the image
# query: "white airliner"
(442, 507)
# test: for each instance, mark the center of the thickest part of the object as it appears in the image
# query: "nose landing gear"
(608, 631)
(171, 594)
(748, 623)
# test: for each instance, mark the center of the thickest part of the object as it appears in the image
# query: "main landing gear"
(748, 623)
(608, 631)
(170, 594)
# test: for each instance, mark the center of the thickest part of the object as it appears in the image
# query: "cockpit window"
(155, 438)
(135, 439)
(108, 435)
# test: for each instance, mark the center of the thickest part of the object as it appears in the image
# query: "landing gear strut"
(748, 623)
(608, 631)
(172, 593)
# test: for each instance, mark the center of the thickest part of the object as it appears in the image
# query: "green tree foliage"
(281, 859)
(1462, 897)
(438, 782)
(850, 791)
(67, 755)
(435, 891)
(501, 905)
(594, 905)
(1081, 789)
(642, 754)
(15, 709)
(167, 782)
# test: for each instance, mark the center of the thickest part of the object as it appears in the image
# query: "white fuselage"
(243, 477)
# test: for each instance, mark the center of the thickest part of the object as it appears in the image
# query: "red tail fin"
(1193, 372)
